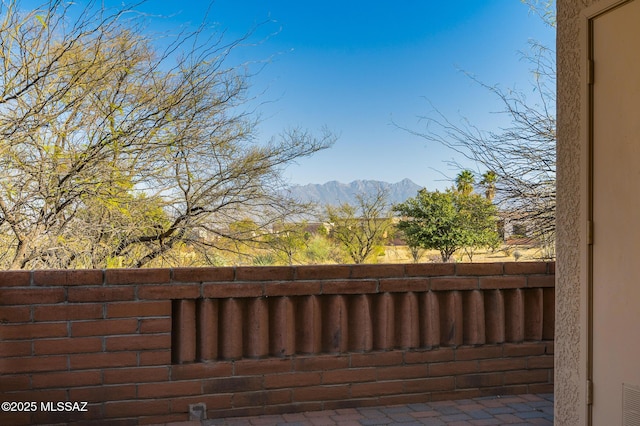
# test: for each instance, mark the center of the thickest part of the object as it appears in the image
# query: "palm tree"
(465, 181)
(489, 179)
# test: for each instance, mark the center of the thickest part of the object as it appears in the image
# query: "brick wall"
(140, 346)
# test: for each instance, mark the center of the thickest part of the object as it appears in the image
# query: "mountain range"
(335, 193)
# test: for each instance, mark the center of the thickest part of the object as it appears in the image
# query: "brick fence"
(142, 346)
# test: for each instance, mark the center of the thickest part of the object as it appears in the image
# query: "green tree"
(447, 221)
(287, 241)
(114, 150)
(361, 229)
(522, 155)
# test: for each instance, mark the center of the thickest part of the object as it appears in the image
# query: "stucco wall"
(571, 278)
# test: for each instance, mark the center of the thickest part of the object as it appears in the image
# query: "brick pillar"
(514, 315)
(494, 316)
(383, 322)
(256, 328)
(283, 327)
(533, 311)
(309, 325)
(183, 332)
(429, 320)
(549, 313)
(360, 326)
(335, 324)
(474, 318)
(207, 329)
(231, 320)
(451, 318)
(407, 321)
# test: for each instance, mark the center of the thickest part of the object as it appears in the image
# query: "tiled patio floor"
(507, 410)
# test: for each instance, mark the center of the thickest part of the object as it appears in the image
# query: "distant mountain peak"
(334, 192)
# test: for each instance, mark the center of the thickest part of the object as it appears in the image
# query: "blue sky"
(357, 66)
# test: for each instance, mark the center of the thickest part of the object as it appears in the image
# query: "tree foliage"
(447, 221)
(116, 151)
(521, 156)
(361, 229)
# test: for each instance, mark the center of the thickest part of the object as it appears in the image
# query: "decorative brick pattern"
(141, 345)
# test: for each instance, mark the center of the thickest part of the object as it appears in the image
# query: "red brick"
(33, 364)
(123, 409)
(33, 331)
(433, 355)
(30, 296)
(321, 362)
(15, 314)
(68, 278)
(524, 349)
(479, 269)
(139, 309)
(404, 284)
(453, 368)
(457, 394)
(155, 325)
(66, 379)
(162, 419)
(321, 393)
(524, 268)
(480, 380)
(430, 269)
(503, 282)
(155, 357)
(551, 268)
(540, 388)
(15, 278)
(137, 276)
(103, 360)
(363, 390)
(66, 312)
(248, 367)
(14, 383)
(541, 281)
(136, 375)
(377, 271)
(163, 390)
(429, 384)
(169, 291)
(376, 359)
(526, 377)
(201, 370)
(290, 380)
(545, 361)
(479, 352)
(138, 342)
(322, 272)
(213, 402)
(503, 364)
(104, 327)
(402, 372)
(349, 287)
(67, 346)
(16, 418)
(264, 273)
(199, 275)
(261, 398)
(352, 375)
(232, 384)
(295, 288)
(99, 294)
(227, 290)
(17, 348)
(454, 283)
